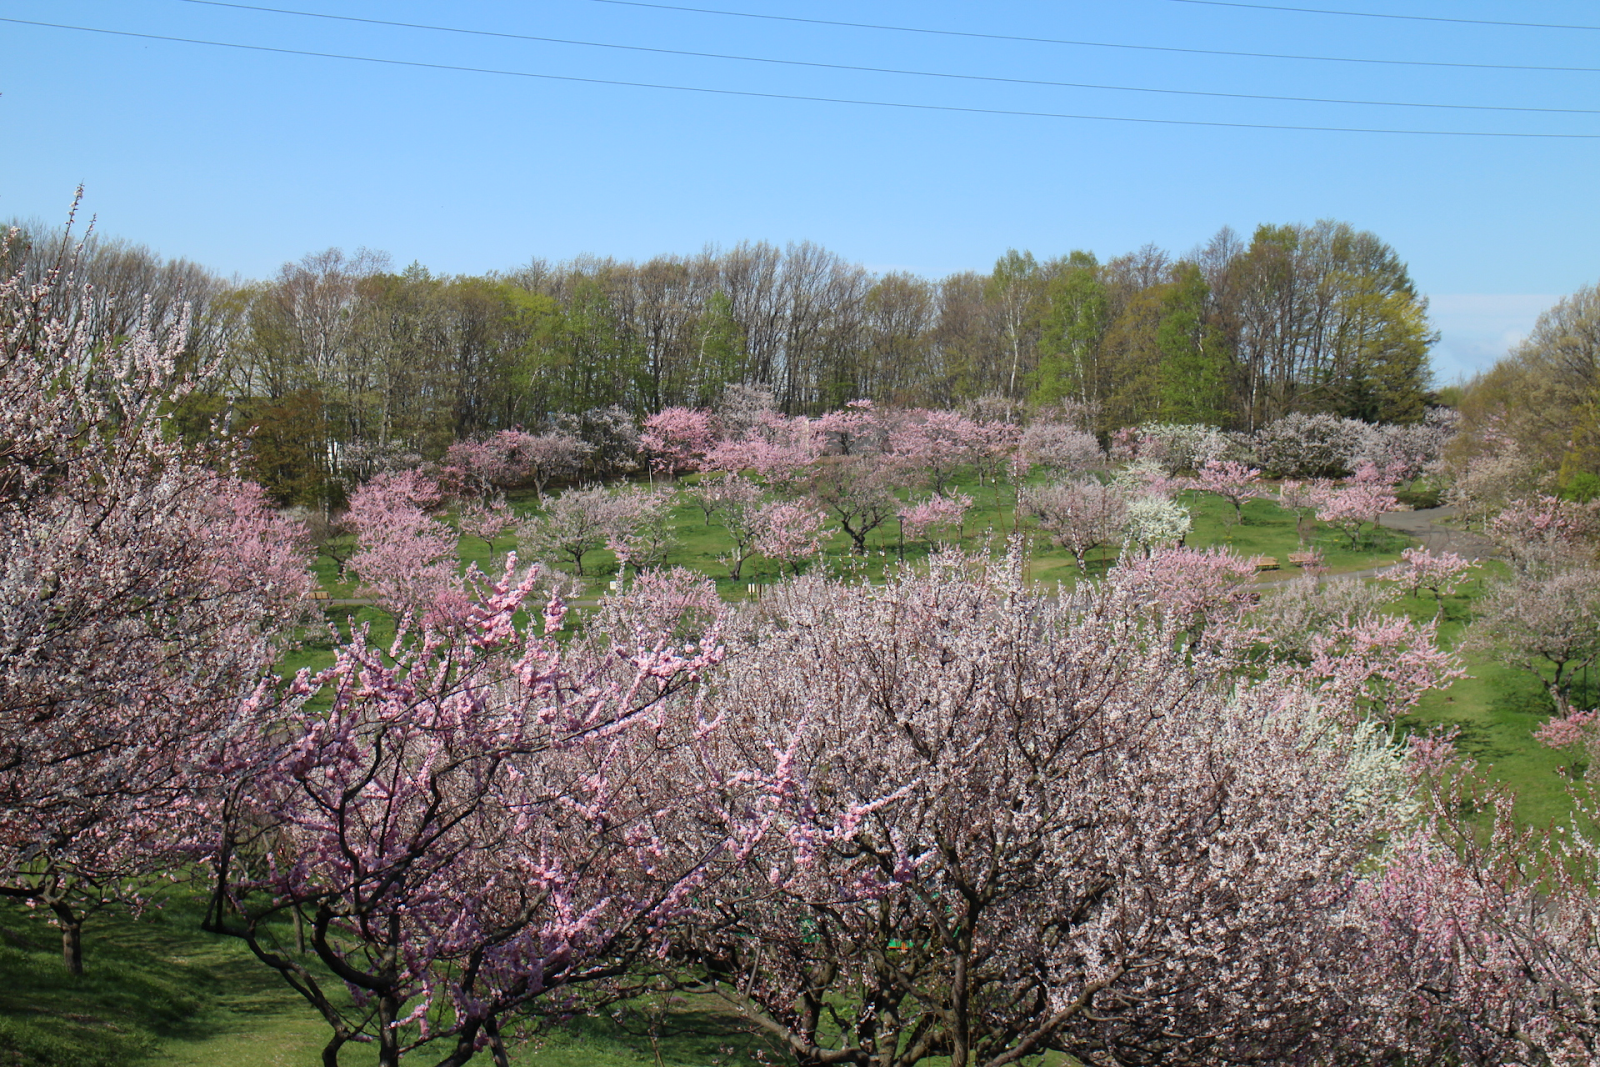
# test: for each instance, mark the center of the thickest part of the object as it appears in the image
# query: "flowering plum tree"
(1001, 824)
(1380, 666)
(1195, 590)
(1232, 481)
(1354, 505)
(994, 453)
(1482, 939)
(734, 503)
(640, 529)
(485, 520)
(514, 458)
(140, 597)
(405, 559)
(858, 490)
(1439, 573)
(1153, 522)
(1310, 446)
(1293, 615)
(1408, 450)
(937, 443)
(1498, 474)
(860, 427)
(1060, 448)
(577, 522)
(1548, 626)
(1302, 498)
(1546, 532)
(1175, 447)
(677, 439)
(1079, 516)
(776, 449)
(789, 533)
(916, 519)
(465, 822)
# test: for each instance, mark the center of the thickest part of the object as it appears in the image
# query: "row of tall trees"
(339, 350)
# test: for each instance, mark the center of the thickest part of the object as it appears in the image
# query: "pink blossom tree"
(1304, 499)
(677, 439)
(1060, 448)
(1195, 590)
(1001, 825)
(994, 452)
(575, 523)
(938, 443)
(514, 458)
(1355, 505)
(465, 823)
(1294, 614)
(789, 533)
(1481, 942)
(920, 517)
(1545, 532)
(1548, 626)
(640, 530)
(734, 503)
(1408, 450)
(405, 560)
(1079, 516)
(1322, 445)
(486, 520)
(1232, 481)
(1439, 573)
(1380, 666)
(858, 490)
(143, 595)
(860, 427)
(776, 448)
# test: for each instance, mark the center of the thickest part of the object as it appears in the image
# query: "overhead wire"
(884, 70)
(1092, 44)
(1385, 15)
(1520, 135)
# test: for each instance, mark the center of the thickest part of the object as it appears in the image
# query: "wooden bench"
(1265, 563)
(1305, 559)
(321, 594)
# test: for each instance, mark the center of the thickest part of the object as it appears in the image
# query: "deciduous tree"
(141, 593)
(1002, 824)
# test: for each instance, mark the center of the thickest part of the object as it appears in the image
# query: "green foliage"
(1194, 359)
(1581, 487)
(1075, 318)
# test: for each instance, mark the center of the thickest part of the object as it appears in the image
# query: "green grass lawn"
(158, 990)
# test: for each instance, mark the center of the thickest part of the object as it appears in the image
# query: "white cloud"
(1476, 329)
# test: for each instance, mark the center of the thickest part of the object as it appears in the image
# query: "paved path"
(1423, 525)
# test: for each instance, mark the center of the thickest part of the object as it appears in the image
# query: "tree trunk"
(71, 937)
(388, 1033)
(497, 1045)
(960, 1005)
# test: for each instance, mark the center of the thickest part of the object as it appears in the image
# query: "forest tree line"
(341, 350)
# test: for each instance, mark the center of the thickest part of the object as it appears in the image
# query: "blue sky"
(242, 160)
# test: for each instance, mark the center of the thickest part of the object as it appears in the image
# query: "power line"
(807, 99)
(887, 70)
(1093, 44)
(1385, 15)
